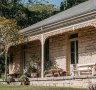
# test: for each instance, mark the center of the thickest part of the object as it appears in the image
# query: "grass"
(35, 88)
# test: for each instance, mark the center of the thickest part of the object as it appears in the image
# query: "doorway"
(73, 54)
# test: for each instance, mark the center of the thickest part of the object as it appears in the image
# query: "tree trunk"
(6, 65)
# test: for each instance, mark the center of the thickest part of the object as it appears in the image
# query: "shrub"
(10, 79)
(24, 80)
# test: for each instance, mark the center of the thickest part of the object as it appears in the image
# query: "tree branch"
(2, 53)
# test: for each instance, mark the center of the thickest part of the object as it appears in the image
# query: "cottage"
(62, 48)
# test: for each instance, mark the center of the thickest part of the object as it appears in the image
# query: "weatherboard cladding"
(81, 9)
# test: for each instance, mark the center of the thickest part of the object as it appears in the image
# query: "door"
(73, 54)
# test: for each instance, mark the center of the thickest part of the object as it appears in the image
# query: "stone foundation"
(79, 82)
(68, 81)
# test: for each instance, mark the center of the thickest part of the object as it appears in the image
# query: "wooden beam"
(67, 55)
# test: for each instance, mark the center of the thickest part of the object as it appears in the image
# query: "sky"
(54, 2)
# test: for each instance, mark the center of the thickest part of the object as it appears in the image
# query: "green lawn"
(34, 88)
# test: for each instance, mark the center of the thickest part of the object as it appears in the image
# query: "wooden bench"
(85, 72)
(85, 69)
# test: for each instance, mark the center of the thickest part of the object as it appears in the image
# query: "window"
(74, 48)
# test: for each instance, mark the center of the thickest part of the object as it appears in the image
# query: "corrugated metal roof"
(74, 11)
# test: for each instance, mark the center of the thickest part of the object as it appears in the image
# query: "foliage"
(32, 12)
(39, 12)
(42, 11)
(2, 63)
(34, 66)
(30, 69)
(70, 3)
(35, 62)
(2, 66)
(14, 9)
(48, 65)
(10, 79)
(24, 80)
(9, 35)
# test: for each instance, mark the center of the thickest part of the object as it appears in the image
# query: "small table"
(57, 72)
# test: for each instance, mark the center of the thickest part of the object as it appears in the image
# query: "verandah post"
(42, 56)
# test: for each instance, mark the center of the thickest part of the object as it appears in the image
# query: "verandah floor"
(36, 88)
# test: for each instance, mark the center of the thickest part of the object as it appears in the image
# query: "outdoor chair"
(49, 74)
(63, 73)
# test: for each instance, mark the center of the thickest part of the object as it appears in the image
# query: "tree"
(62, 6)
(2, 61)
(9, 36)
(25, 14)
(12, 9)
(70, 3)
(41, 12)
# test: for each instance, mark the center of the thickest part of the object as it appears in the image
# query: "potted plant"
(33, 72)
(24, 80)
